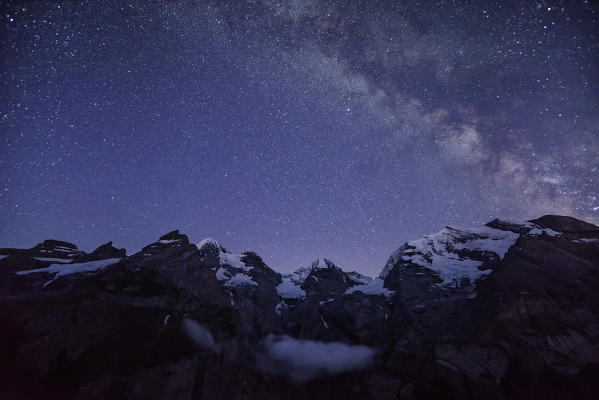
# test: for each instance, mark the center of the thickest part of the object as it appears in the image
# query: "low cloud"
(199, 335)
(302, 360)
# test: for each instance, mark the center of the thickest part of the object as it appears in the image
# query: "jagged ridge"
(463, 312)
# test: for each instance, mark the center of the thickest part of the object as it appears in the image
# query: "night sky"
(295, 128)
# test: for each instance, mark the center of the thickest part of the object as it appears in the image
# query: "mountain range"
(509, 310)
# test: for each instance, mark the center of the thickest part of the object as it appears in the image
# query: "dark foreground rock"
(506, 311)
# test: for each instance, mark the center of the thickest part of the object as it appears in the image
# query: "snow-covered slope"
(290, 287)
(68, 269)
(456, 255)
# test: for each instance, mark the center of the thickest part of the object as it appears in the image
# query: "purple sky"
(298, 129)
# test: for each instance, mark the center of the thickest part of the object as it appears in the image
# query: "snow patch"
(543, 231)
(290, 288)
(50, 259)
(586, 240)
(488, 239)
(67, 269)
(220, 274)
(240, 279)
(62, 249)
(358, 278)
(168, 241)
(234, 279)
(231, 269)
(375, 287)
(233, 260)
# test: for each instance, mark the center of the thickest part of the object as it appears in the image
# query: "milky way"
(299, 129)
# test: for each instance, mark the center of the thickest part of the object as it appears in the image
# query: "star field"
(295, 128)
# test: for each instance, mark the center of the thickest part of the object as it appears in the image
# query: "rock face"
(564, 224)
(508, 310)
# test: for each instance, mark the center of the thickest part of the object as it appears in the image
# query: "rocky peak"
(174, 236)
(51, 244)
(454, 259)
(326, 279)
(167, 244)
(246, 269)
(209, 251)
(57, 249)
(322, 278)
(102, 252)
(322, 264)
(564, 224)
(253, 259)
(548, 224)
(519, 228)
